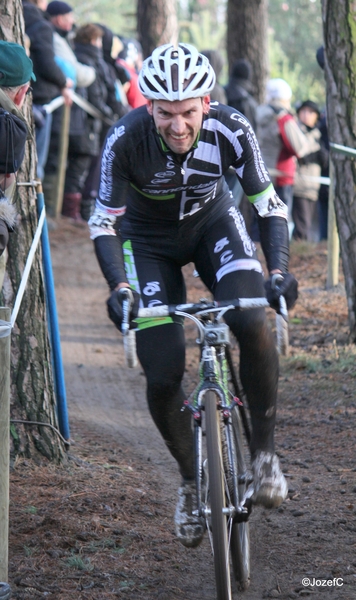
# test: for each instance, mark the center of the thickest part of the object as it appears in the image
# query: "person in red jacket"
(281, 139)
(130, 58)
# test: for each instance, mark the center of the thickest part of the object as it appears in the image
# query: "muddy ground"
(100, 526)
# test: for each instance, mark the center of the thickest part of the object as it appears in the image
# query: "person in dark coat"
(239, 95)
(216, 60)
(85, 130)
(112, 46)
(50, 79)
(239, 90)
(117, 79)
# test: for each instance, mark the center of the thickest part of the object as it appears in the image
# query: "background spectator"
(239, 90)
(306, 184)
(130, 58)
(16, 72)
(112, 46)
(281, 139)
(50, 79)
(323, 197)
(216, 60)
(62, 18)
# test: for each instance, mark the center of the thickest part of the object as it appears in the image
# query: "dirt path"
(105, 395)
(112, 507)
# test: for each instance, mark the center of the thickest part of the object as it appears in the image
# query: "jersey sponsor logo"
(153, 303)
(158, 181)
(165, 174)
(106, 163)
(151, 288)
(248, 245)
(257, 157)
(220, 245)
(191, 204)
(226, 256)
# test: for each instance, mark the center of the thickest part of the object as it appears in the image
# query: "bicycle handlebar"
(166, 310)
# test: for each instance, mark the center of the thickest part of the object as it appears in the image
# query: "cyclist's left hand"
(287, 286)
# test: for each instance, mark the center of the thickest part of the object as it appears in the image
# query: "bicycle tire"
(217, 498)
(240, 533)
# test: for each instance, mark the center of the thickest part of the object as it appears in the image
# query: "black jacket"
(239, 97)
(86, 131)
(50, 79)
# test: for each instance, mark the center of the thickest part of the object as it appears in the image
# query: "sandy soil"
(101, 525)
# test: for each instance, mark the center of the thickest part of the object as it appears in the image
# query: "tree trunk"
(157, 24)
(247, 24)
(340, 72)
(32, 388)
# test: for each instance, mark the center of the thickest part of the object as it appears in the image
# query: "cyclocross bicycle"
(224, 482)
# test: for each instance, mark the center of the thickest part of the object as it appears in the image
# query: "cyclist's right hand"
(115, 308)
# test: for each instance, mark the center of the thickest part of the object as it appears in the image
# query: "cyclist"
(163, 202)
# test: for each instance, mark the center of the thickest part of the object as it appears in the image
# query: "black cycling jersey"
(146, 186)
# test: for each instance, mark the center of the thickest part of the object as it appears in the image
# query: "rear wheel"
(217, 498)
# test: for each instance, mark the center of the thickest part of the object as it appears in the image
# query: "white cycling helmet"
(176, 74)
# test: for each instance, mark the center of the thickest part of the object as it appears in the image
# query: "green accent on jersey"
(146, 322)
(260, 195)
(153, 196)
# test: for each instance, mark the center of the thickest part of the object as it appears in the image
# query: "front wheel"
(217, 497)
(240, 532)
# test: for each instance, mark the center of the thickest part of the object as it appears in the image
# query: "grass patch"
(337, 360)
(81, 564)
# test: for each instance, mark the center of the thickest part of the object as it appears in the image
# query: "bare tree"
(32, 389)
(157, 24)
(340, 74)
(247, 22)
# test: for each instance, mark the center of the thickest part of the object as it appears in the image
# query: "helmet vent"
(175, 82)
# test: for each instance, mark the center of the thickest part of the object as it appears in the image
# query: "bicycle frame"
(225, 500)
(213, 372)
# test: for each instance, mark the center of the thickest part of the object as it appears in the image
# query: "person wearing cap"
(306, 183)
(163, 202)
(62, 19)
(16, 73)
(280, 138)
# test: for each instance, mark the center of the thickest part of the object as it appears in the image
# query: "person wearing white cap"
(280, 138)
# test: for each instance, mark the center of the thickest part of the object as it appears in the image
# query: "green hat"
(16, 67)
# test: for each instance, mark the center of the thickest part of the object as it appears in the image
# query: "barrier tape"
(342, 149)
(82, 103)
(26, 273)
(324, 180)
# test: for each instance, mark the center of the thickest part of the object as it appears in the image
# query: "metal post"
(58, 368)
(62, 160)
(333, 237)
(5, 315)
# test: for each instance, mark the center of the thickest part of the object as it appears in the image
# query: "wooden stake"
(5, 343)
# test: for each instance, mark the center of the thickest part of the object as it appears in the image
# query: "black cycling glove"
(284, 285)
(114, 303)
